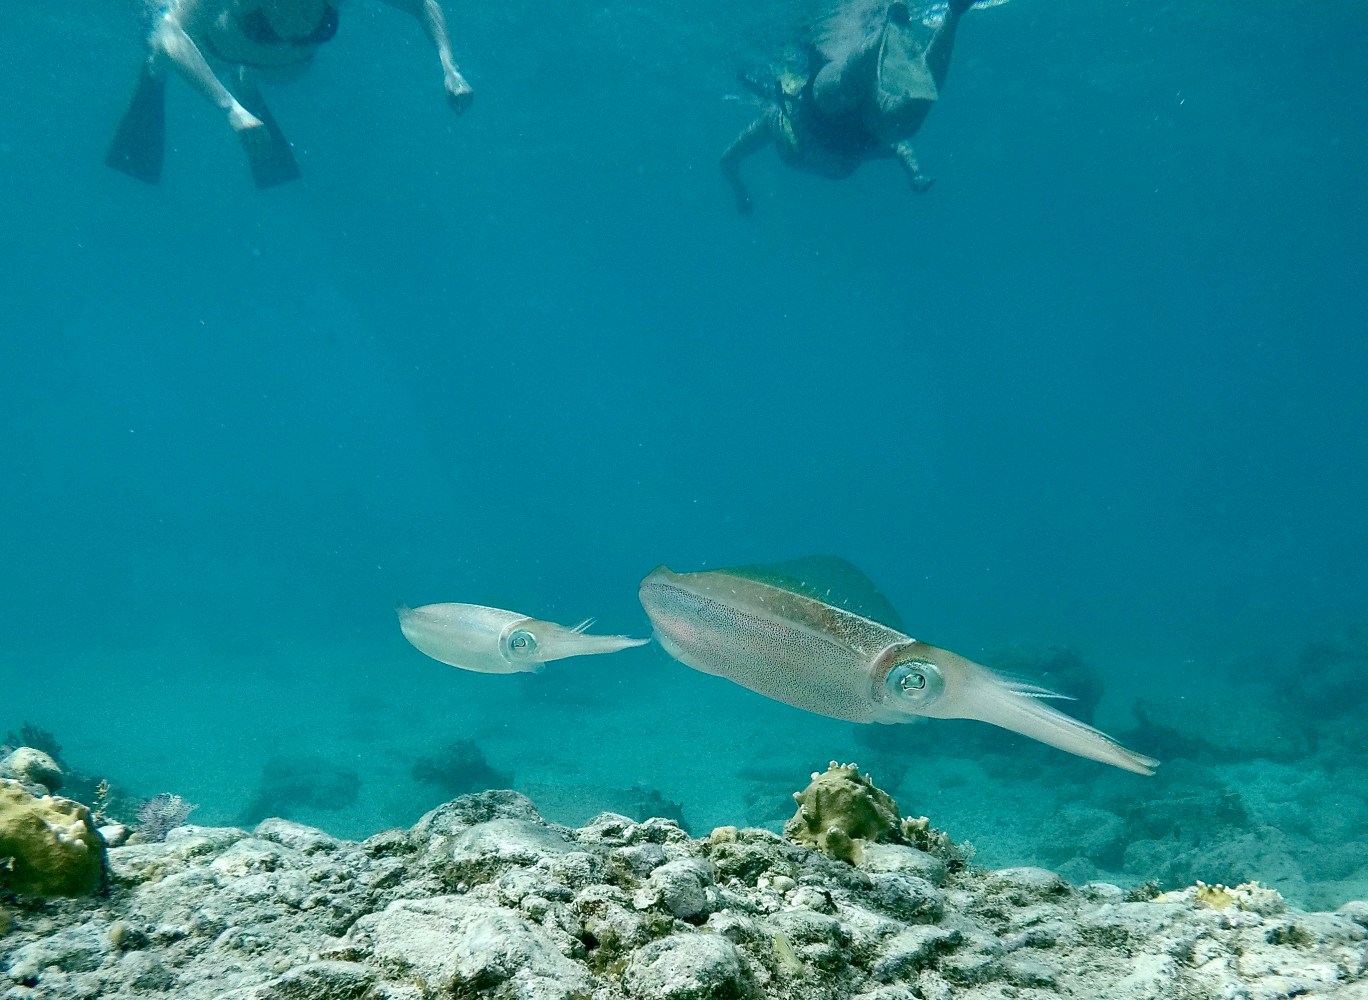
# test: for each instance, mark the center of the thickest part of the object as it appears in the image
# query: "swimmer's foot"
(139, 144)
(458, 93)
(921, 183)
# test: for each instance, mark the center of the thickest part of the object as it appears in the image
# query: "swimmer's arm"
(755, 138)
(907, 156)
(170, 41)
(430, 16)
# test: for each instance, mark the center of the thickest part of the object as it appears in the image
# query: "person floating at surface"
(871, 79)
(247, 39)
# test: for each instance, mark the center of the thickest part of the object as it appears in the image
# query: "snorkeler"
(871, 78)
(249, 39)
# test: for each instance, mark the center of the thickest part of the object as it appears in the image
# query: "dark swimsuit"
(832, 147)
(255, 27)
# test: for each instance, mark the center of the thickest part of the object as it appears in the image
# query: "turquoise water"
(1101, 388)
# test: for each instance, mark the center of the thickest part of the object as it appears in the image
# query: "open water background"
(1103, 386)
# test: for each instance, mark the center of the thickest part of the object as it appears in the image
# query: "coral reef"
(923, 836)
(1294, 819)
(1264, 780)
(1058, 668)
(482, 898)
(48, 846)
(1252, 897)
(580, 802)
(33, 757)
(459, 768)
(29, 735)
(1331, 674)
(289, 784)
(161, 814)
(643, 803)
(1183, 727)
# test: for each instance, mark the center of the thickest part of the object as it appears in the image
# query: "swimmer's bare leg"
(907, 157)
(943, 42)
(429, 14)
(268, 151)
(139, 144)
(170, 41)
(758, 135)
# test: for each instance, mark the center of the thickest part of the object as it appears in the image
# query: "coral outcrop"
(843, 814)
(33, 767)
(48, 846)
(840, 811)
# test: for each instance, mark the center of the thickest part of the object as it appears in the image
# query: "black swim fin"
(140, 142)
(268, 151)
(269, 156)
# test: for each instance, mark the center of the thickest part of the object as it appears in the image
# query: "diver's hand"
(921, 183)
(458, 92)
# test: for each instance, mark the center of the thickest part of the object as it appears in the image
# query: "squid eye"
(521, 643)
(915, 684)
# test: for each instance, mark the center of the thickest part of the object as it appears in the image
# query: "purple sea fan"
(161, 814)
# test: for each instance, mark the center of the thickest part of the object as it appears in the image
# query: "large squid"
(777, 632)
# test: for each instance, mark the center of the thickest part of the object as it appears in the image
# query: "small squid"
(493, 641)
(786, 638)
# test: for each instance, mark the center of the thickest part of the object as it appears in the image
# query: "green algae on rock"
(48, 845)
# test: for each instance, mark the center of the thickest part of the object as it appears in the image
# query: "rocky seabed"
(484, 898)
